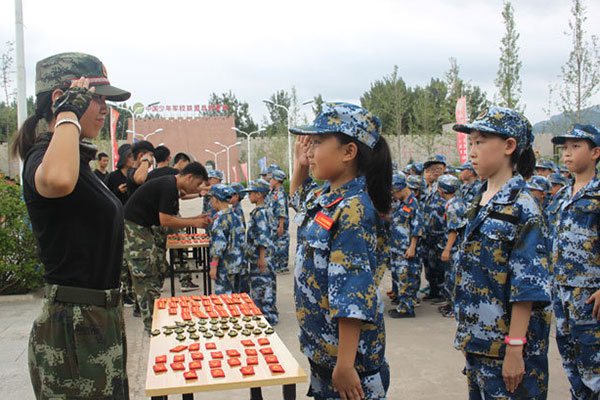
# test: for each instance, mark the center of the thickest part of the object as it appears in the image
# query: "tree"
(581, 73)
(6, 72)
(317, 107)
(428, 114)
(236, 108)
(508, 78)
(476, 97)
(277, 115)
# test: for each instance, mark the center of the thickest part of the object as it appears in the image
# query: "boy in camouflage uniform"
(279, 218)
(214, 177)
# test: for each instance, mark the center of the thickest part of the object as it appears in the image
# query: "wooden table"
(160, 385)
(183, 248)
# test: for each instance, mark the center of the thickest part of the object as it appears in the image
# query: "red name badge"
(324, 221)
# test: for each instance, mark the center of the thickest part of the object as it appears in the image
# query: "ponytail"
(376, 165)
(26, 136)
(524, 163)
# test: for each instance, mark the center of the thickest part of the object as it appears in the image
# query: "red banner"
(461, 138)
(235, 176)
(114, 117)
(244, 168)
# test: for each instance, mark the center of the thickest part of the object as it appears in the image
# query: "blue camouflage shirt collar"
(591, 188)
(328, 198)
(509, 191)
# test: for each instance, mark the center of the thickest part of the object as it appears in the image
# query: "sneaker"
(128, 301)
(189, 286)
(449, 314)
(431, 297)
(424, 290)
(418, 303)
(440, 302)
(397, 314)
(396, 301)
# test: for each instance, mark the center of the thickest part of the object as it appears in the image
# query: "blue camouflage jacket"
(239, 211)
(502, 259)
(455, 219)
(433, 213)
(468, 191)
(258, 234)
(207, 208)
(278, 207)
(406, 223)
(576, 247)
(341, 257)
(227, 240)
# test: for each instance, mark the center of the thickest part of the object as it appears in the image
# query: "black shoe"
(136, 312)
(440, 302)
(128, 301)
(396, 301)
(189, 286)
(397, 314)
(431, 297)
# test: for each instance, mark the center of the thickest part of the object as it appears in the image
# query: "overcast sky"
(178, 52)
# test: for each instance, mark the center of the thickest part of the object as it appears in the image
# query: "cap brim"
(468, 128)
(428, 164)
(112, 93)
(560, 139)
(310, 130)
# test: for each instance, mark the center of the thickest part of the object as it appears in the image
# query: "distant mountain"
(560, 123)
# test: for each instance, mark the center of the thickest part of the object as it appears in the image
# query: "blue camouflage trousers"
(485, 382)
(435, 268)
(278, 252)
(374, 386)
(226, 283)
(263, 290)
(578, 339)
(407, 273)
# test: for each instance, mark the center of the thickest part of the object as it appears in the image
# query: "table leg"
(289, 392)
(172, 264)
(256, 394)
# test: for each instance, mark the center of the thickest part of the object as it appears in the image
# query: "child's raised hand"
(301, 150)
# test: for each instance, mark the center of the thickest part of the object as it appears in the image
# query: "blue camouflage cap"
(544, 163)
(578, 131)
(345, 118)
(538, 183)
(558, 179)
(418, 168)
(414, 182)
(264, 172)
(450, 170)
(222, 192)
(448, 183)
(501, 121)
(258, 185)
(468, 165)
(273, 167)
(238, 187)
(278, 175)
(437, 159)
(215, 173)
(399, 181)
(563, 168)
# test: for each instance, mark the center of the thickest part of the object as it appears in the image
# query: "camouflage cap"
(418, 168)
(502, 121)
(221, 192)
(414, 182)
(437, 159)
(264, 172)
(406, 169)
(450, 170)
(273, 167)
(557, 178)
(544, 163)
(448, 183)
(468, 165)
(278, 174)
(238, 187)
(215, 173)
(345, 118)
(258, 185)
(579, 132)
(538, 183)
(563, 168)
(59, 70)
(399, 181)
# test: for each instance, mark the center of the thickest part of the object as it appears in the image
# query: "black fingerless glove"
(75, 99)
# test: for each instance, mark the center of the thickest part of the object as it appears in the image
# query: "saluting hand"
(301, 150)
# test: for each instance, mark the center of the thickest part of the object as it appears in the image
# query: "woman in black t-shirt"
(77, 346)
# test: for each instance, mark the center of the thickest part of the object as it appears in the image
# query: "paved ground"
(423, 363)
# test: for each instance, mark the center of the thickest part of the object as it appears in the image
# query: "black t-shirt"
(102, 176)
(80, 236)
(113, 180)
(162, 171)
(131, 185)
(157, 195)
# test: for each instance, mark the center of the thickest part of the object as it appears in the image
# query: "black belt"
(76, 295)
(326, 373)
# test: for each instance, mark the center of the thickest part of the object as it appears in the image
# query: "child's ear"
(350, 151)
(596, 153)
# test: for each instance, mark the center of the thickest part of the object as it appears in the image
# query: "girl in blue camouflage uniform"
(341, 254)
(502, 290)
(576, 259)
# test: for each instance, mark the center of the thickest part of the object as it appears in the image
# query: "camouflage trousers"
(578, 339)
(160, 241)
(408, 275)
(78, 351)
(226, 283)
(126, 281)
(244, 279)
(484, 378)
(278, 252)
(374, 386)
(140, 253)
(263, 290)
(435, 268)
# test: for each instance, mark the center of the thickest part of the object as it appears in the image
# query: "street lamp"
(228, 148)
(248, 135)
(215, 155)
(145, 136)
(272, 103)
(131, 112)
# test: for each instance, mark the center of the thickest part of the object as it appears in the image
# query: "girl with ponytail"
(340, 258)
(502, 287)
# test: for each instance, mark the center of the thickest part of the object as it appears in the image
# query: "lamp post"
(228, 148)
(215, 155)
(145, 136)
(132, 114)
(272, 103)
(248, 135)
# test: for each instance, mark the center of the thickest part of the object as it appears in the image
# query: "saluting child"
(226, 242)
(576, 258)
(279, 221)
(502, 289)
(341, 254)
(263, 278)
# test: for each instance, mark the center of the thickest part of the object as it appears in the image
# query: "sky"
(180, 51)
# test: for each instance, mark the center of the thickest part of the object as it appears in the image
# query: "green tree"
(428, 114)
(236, 108)
(317, 107)
(508, 78)
(581, 73)
(476, 97)
(278, 117)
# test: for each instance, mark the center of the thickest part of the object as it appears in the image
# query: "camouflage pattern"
(59, 70)
(239, 211)
(399, 181)
(436, 159)
(448, 183)
(227, 244)
(468, 190)
(278, 207)
(578, 339)
(160, 241)
(345, 118)
(417, 168)
(406, 224)
(552, 212)
(215, 173)
(455, 222)
(338, 271)
(434, 227)
(263, 286)
(222, 192)
(207, 208)
(503, 121)
(141, 253)
(502, 259)
(545, 163)
(578, 131)
(538, 183)
(78, 351)
(75, 99)
(556, 178)
(278, 174)
(484, 378)
(374, 386)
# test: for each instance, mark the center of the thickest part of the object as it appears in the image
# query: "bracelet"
(515, 341)
(214, 264)
(68, 121)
